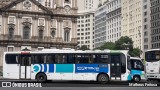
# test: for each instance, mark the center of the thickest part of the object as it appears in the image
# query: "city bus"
(152, 58)
(68, 64)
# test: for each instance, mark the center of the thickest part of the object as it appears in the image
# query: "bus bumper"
(153, 76)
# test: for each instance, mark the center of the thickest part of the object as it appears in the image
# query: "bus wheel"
(103, 78)
(136, 78)
(41, 77)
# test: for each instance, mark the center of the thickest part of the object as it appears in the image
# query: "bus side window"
(38, 59)
(57, 58)
(70, 58)
(104, 58)
(96, 58)
(78, 58)
(11, 59)
(123, 63)
(90, 58)
(64, 58)
(50, 59)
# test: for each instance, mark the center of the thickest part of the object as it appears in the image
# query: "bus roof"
(153, 50)
(69, 51)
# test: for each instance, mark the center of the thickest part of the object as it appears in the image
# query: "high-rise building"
(34, 25)
(100, 26)
(85, 28)
(155, 23)
(113, 23)
(85, 24)
(132, 21)
(146, 39)
(89, 4)
(108, 22)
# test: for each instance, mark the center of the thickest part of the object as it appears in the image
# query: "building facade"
(85, 28)
(108, 22)
(100, 26)
(132, 21)
(113, 23)
(155, 23)
(146, 26)
(85, 24)
(34, 25)
(89, 4)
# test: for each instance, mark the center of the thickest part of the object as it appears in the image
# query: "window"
(66, 35)
(53, 34)
(40, 34)
(26, 32)
(152, 55)
(145, 26)
(104, 59)
(50, 59)
(10, 49)
(25, 60)
(67, 1)
(11, 58)
(38, 59)
(98, 58)
(145, 6)
(60, 58)
(123, 64)
(145, 20)
(136, 64)
(10, 33)
(145, 13)
(82, 58)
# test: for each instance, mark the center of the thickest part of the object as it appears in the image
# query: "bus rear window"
(11, 59)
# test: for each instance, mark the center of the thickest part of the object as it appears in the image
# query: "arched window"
(10, 33)
(66, 35)
(53, 34)
(41, 34)
(26, 32)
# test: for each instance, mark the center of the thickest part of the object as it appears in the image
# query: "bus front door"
(25, 67)
(115, 67)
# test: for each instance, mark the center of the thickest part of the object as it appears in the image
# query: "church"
(37, 24)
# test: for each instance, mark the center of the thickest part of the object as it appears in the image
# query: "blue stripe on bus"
(64, 68)
(51, 68)
(45, 67)
(91, 68)
(136, 72)
(40, 67)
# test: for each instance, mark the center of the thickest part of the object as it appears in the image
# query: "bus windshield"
(152, 56)
(136, 65)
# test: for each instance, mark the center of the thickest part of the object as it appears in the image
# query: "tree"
(124, 43)
(107, 45)
(83, 47)
(136, 52)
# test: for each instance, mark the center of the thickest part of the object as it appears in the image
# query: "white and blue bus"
(56, 64)
(152, 58)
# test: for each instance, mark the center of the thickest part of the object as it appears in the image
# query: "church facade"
(37, 24)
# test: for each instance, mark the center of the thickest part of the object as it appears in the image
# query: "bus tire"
(41, 77)
(103, 78)
(136, 78)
